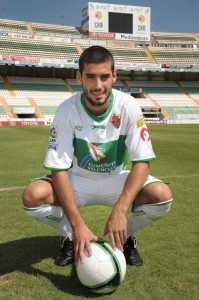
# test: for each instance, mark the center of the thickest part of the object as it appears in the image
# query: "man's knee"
(162, 192)
(156, 192)
(36, 193)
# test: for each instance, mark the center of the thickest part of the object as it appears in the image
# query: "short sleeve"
(138, 139)
(60, 151)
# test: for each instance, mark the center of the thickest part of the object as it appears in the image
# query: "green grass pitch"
(169, 247)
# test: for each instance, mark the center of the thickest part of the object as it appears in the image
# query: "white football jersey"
(89, 145)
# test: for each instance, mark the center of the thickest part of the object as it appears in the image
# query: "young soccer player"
(90, 138)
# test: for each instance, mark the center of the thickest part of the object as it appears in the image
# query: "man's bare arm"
(82, 235)
(116, 226)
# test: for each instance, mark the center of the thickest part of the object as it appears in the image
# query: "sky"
(166, 15)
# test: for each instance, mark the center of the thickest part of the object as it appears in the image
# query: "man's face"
(97, 80)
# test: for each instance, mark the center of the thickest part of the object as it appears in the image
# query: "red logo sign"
(102, 35)
(145, 135)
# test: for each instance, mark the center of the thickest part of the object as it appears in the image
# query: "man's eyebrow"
(95, 75)
(90, 74)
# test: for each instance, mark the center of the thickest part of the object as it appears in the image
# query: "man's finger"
(112, 241)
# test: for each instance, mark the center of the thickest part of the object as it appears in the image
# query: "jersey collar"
(102, 117)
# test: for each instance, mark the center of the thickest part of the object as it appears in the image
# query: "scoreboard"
(121, 22)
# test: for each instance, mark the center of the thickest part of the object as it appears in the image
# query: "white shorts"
(103, 191)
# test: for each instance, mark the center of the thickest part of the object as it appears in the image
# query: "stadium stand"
(38, 64)
(174, 38)
(55, 30)
(34, 48)
(173, 56)
(129, 55)
(42, 94)
(13, 26)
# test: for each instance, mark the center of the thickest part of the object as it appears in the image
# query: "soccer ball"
(104, 270)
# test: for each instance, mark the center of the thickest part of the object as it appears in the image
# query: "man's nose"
(98, 82)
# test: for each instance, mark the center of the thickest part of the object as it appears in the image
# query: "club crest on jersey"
(115, 119)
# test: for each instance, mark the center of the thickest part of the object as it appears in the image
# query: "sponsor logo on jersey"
(140, 122)
(53, 135)
(145, 135)
(98, 127)
(93, 161)
(78, 127)
(115, 119)
(52, 147)
(102, 168)
(96, 152)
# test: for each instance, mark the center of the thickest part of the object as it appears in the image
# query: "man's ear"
(114, 76)
(78, 76)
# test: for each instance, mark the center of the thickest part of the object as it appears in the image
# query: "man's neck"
(97, 110)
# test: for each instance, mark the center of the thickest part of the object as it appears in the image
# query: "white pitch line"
(178, 176)
(13, 188)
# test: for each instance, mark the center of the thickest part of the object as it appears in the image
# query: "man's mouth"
(97, 93)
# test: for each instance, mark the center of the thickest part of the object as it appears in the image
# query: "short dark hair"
(95, 55)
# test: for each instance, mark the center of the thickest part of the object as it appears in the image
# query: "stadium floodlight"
(2, 9)
(156, 25)
(62, 16)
